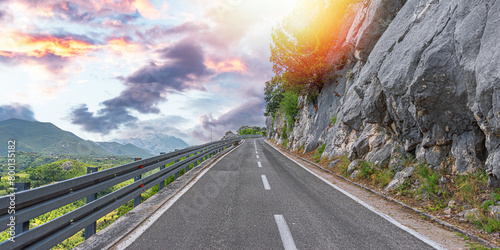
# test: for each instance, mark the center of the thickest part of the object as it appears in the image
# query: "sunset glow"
(122, 45)
(226, 66)
(132, 63)
(42, 45)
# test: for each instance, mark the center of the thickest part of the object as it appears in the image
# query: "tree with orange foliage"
(303, 40)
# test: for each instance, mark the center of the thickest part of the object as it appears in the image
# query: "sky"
(105, 69)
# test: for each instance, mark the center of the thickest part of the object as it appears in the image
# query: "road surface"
(256, 198)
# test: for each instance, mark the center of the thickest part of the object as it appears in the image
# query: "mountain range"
(46, 138)
(155, 142)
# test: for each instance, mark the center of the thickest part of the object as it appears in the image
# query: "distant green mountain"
(128, 149)
(46, 138)
(155, 142)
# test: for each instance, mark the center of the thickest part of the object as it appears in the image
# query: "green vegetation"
(349, 75)
(486, 223)
(288, 107)
(283, 134)
(470, 186)
(303, 41)
(376, 175)
(273, 95)
(246, 130)
(333, 120)
(342, 166)
(301, 53)
(285, 143)
(25, 160)
(319, 151)
(54, 171)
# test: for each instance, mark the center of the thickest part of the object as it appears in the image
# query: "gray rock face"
(426, 79)
(354, 174)
(334, 163)
(494, 211)
(471, 214)
(353, 166)
(311, 146)
(399, 178)
(269, 125)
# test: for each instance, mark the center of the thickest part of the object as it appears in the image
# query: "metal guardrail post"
(137, 199)
(162, 184)
(25, 226)
(176, 175)
(91, 229)
(187, 167)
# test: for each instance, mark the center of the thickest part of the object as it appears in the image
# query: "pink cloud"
(86, 8)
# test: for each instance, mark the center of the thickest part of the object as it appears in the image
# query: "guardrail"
(29, 204)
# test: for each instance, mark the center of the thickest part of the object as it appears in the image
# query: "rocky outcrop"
(67, 166)
(400, 178)
(424, 77)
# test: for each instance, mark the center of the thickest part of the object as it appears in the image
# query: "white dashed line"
(260, 164)
(136, 233)
(386, 217)
(286, 235)
(257, 156)
(266, 183)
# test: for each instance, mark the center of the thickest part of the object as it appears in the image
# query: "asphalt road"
(241, 204)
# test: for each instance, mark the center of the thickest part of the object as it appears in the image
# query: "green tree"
(303, 41)
(289, 107)
(273, 94)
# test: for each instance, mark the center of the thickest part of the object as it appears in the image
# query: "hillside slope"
(46, 138)
(128, 149)
(155, 142)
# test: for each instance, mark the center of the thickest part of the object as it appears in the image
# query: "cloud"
(104, 121)
(249, 113)
(146, 9)
(163, 125)
(18, 44)
(228, 65)
(18, 111)
(181, 70)
(159, 33)
(56, 52)
(84, 10)
(120, 45)
(4, 16)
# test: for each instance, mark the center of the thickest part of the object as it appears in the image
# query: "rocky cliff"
(423, 78)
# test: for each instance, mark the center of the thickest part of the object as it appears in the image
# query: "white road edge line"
(388, 218)
(266, 183)
(260, 164)
(137, 232)
(286, 235)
